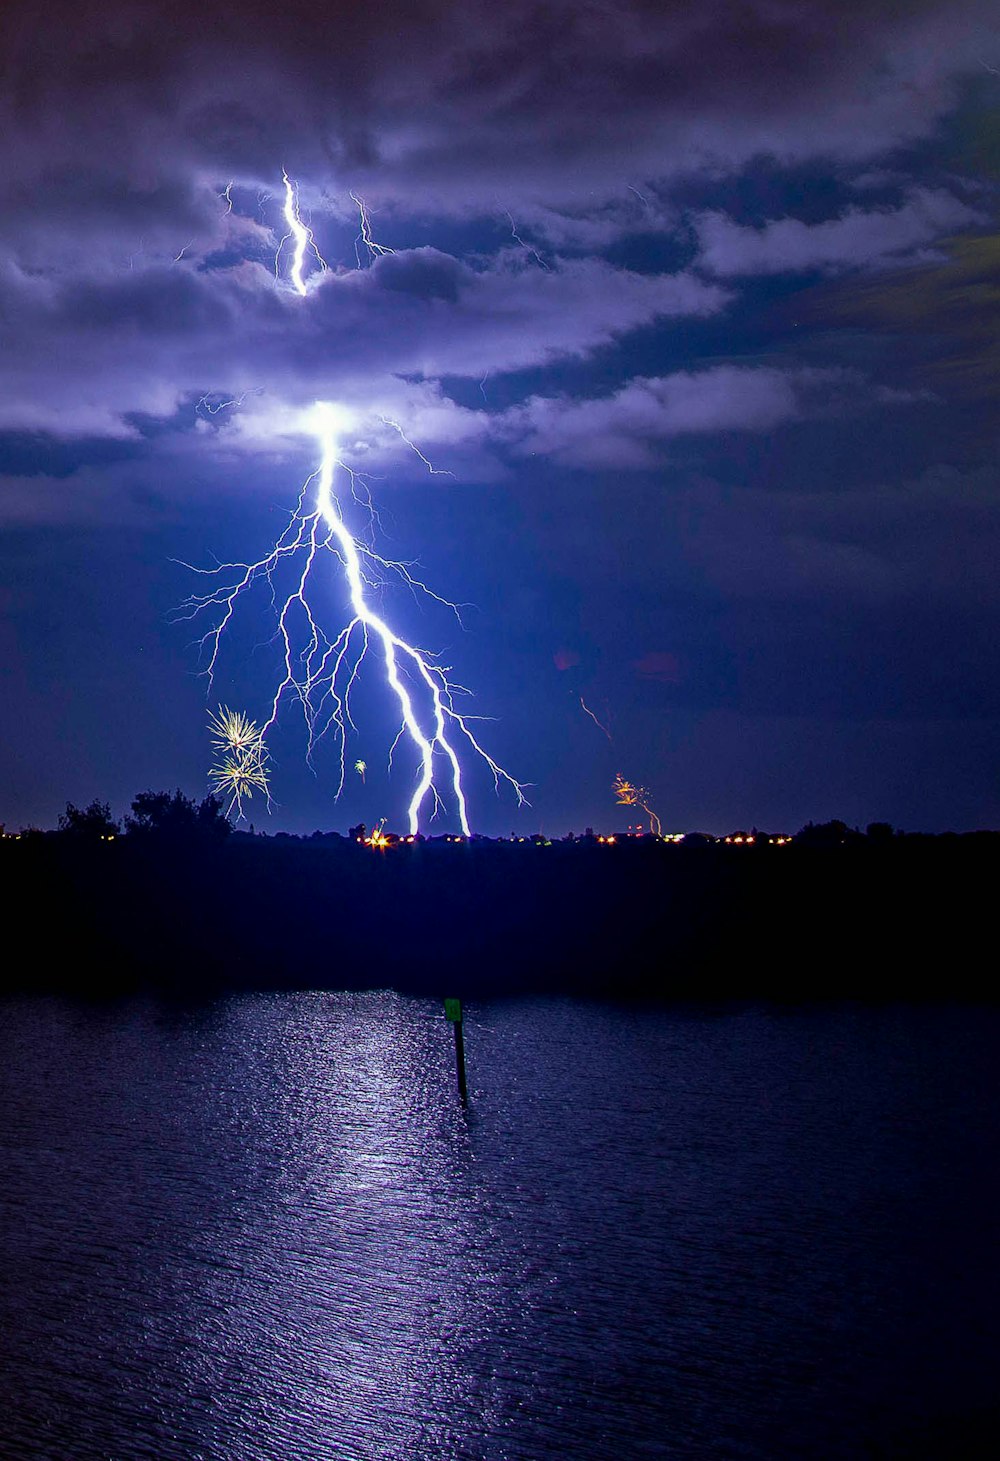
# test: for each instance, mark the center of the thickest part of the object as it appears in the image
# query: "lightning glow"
(321, 669)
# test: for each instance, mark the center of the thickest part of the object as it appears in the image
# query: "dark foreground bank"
(641, 919)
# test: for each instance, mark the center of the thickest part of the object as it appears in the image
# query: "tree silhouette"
(93, 823)
(177, 817)
(828, 834)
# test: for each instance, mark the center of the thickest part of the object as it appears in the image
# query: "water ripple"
(264, 1228)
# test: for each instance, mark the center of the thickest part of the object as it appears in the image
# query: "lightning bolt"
(587, 711)
(528, 248)
(320, 669)
(303, 236)
(434, 471)
(375, 250)
(212, 408)
(136, 252)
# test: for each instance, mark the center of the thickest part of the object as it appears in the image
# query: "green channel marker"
(453, 1012)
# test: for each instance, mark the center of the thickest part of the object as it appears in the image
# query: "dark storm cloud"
(450, 104)
(947, 317)
(440, 89)
(424, 274)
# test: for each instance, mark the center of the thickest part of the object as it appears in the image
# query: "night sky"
(692, 308)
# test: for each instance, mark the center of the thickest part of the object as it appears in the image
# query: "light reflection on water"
(265, 1228)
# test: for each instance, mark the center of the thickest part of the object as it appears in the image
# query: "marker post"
(453, 1013)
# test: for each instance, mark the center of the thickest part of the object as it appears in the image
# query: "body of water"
(263, 1227)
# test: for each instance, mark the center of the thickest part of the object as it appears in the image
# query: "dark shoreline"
(904, 918)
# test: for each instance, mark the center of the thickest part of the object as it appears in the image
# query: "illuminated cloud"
(625, 430)
(146, 341)
(857, 239)
(141, 201)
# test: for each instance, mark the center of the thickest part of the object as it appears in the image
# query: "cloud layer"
(457, 101)
(141, 203)
(859, 238)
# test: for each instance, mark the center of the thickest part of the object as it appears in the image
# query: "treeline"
(173, 816)
(174, 900)
(154, 814)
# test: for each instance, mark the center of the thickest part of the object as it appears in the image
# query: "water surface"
(264, 1228)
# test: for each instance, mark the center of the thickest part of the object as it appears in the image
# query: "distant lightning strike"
(528, 248)
(212, 408)
(375, 250)
(600, 726)
(434, 471)
(320, 671)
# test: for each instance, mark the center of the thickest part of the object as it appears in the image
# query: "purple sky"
(692, 309)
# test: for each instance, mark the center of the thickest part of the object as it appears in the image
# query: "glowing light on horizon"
(377, 837)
